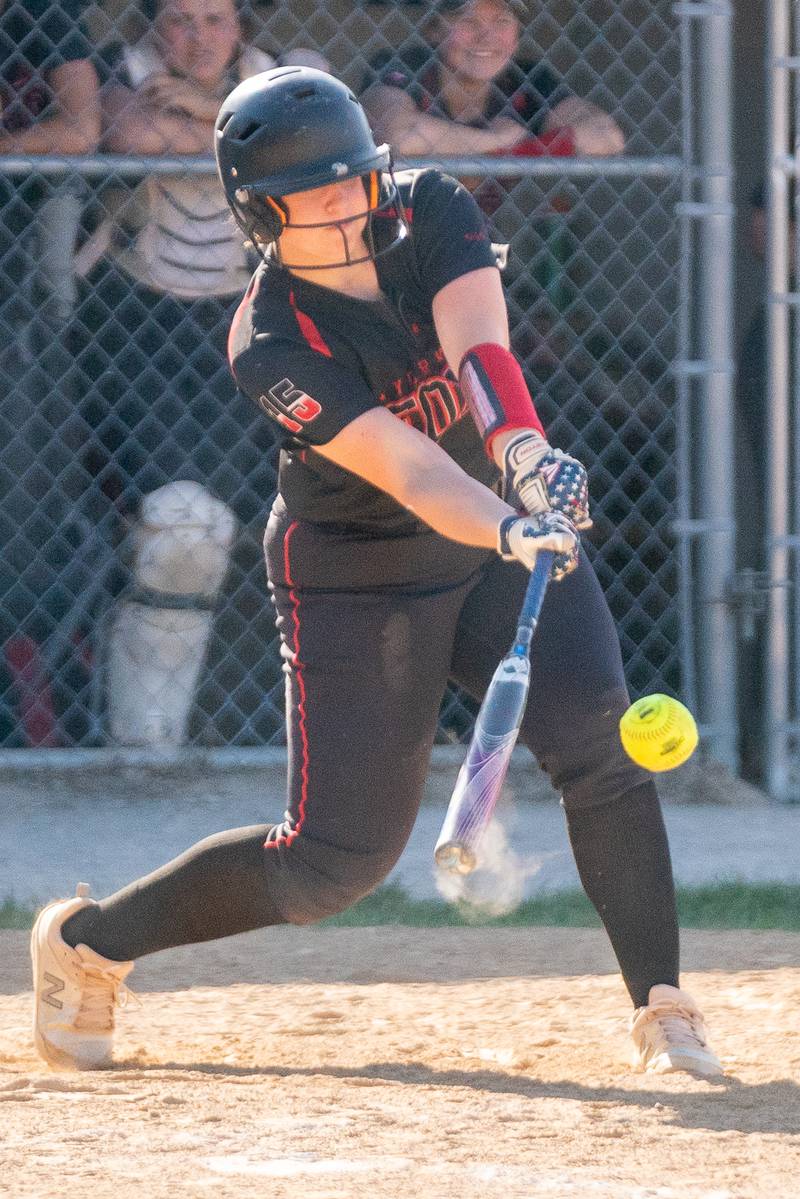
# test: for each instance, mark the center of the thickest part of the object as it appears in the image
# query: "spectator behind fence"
(184, 455)
(48, 86)
(466, 92)
(48, 105)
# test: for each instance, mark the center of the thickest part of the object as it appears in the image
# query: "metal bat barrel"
(484, 770)
(481, 778)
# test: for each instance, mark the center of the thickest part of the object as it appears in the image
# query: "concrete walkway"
(52, 835)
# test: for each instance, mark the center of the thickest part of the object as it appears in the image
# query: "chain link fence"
(135, 482)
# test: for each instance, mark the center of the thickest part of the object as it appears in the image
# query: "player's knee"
(312, 892)
(322, 898)
(586, 761)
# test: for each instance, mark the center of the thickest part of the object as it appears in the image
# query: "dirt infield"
(388, 1062)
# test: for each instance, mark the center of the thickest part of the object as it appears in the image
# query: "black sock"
(622, 855)
(215, 889)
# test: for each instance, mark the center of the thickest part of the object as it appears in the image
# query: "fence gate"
(619, 278)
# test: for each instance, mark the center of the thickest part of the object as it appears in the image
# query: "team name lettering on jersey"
(289, 406)
(432, 407)
(428, 401)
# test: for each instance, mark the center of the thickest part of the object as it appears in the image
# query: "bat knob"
(455, 858)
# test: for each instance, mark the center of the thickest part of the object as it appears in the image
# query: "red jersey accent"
(309, 330)
(393, 214)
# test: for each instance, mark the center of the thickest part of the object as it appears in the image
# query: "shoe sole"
(678, 1065)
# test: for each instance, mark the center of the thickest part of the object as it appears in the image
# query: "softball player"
(374, 335)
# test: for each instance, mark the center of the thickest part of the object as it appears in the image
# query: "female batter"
(374, 334)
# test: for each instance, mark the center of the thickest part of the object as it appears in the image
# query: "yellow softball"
(658, 732)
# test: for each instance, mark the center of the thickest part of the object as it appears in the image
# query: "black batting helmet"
(289, 130)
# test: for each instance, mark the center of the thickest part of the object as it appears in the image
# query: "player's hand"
(543, 478)
(521, 537)
(508, 131)
(594, 131)
(179, 95)
(599, 135)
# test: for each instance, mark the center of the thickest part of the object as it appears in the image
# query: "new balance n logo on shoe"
(55, 987)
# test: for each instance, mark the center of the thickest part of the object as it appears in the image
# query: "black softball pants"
(366, 667)
(365, 673)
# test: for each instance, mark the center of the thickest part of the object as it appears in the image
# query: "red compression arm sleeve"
(497, 395)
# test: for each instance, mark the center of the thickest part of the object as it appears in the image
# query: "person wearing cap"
(467, 92)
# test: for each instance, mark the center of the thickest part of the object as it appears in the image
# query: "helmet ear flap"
(278, 213)
(265, 216)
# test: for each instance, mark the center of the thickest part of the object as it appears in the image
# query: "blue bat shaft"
(480, 780)
(534, 598)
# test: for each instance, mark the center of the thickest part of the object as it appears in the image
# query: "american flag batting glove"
(543, 478)
(521, 537)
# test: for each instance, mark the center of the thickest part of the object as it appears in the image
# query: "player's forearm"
(462, 510)
(434, 135)
(412, 132)
(57, 135)
(420, 475)
(145, 131)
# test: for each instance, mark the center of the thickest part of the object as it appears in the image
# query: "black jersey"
(314, 359)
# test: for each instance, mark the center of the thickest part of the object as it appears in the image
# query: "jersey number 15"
(289, 406)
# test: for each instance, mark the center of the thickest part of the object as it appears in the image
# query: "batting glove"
(519, 538)
(543, 478)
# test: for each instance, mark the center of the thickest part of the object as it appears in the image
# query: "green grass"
(724, 905)
(391, 905)
(14, 916)
(737, 905)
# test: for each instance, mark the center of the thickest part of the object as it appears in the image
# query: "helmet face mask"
(386, 205)
(294, 129)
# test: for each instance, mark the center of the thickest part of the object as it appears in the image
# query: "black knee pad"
(586, 761)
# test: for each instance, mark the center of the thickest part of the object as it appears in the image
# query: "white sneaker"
(75, 992)
(669, 1035)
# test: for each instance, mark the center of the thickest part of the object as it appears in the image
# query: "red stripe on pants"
(297, 667)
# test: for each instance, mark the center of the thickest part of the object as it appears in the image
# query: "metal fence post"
(718, 620)
(776, 682)
(705, 374)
